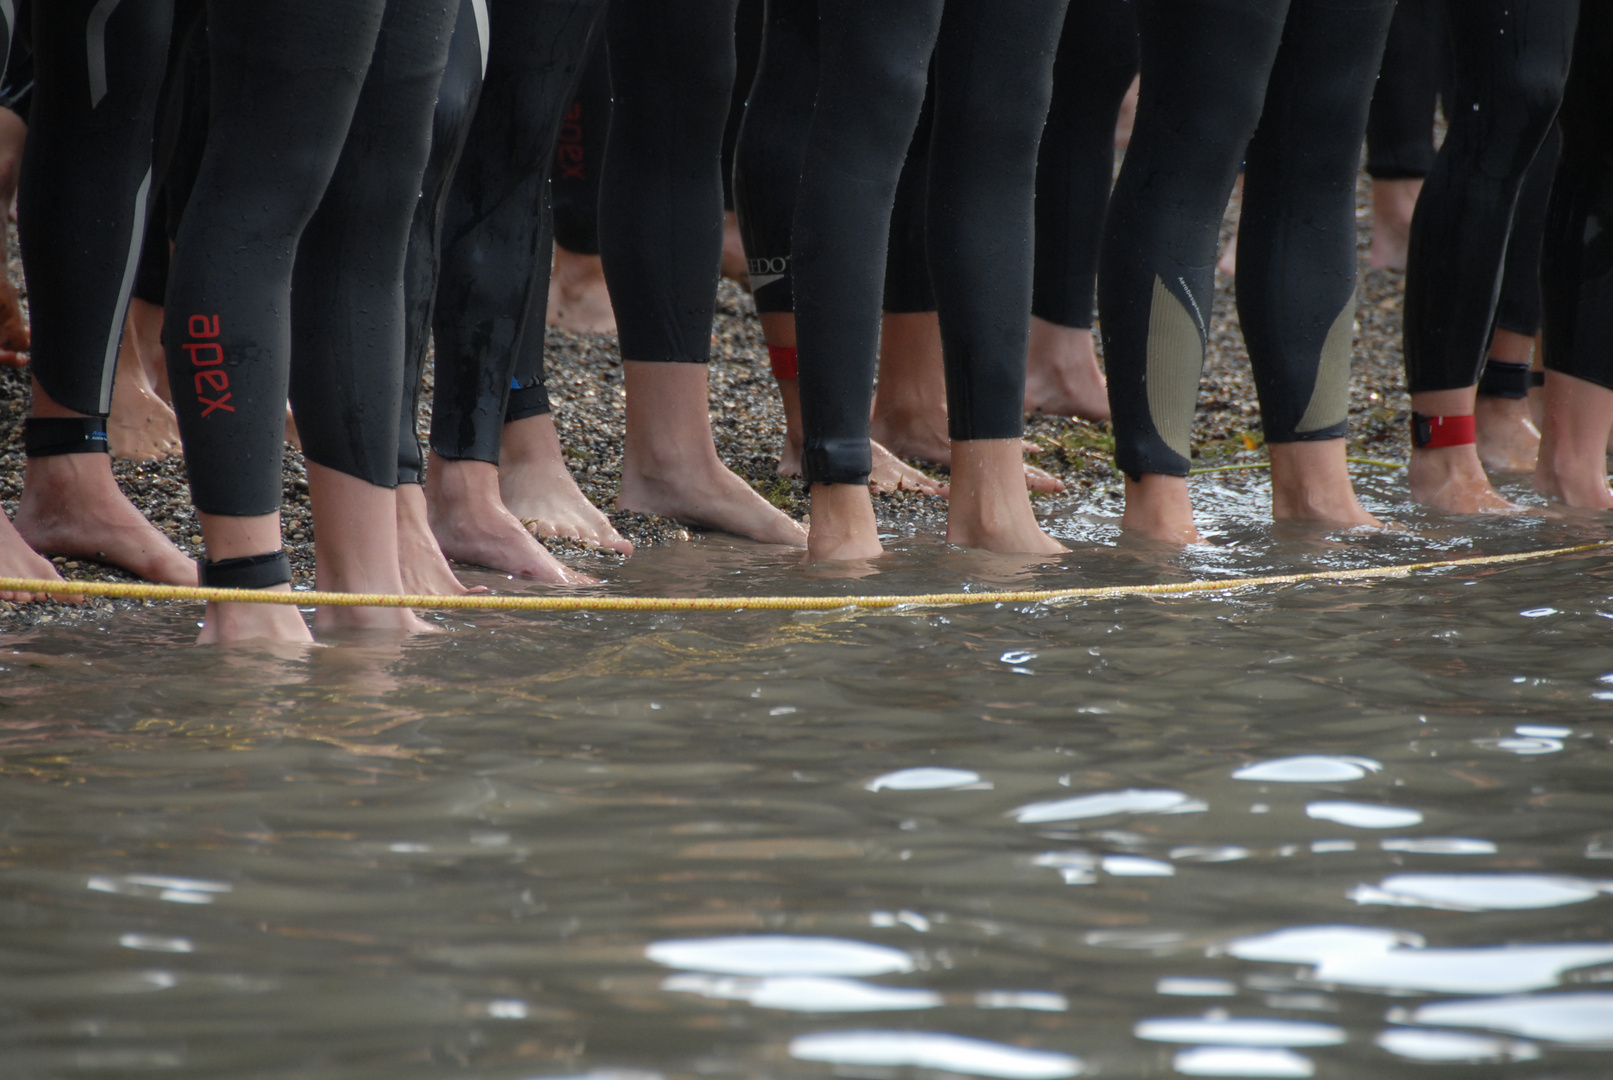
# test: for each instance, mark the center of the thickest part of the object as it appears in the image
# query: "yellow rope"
(142, 591)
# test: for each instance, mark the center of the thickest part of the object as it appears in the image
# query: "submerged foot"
(71, 505)
(229, 624)
(1450, 478)
(843, 526)
(1508, 440)
(988, 511)
(1157, 508)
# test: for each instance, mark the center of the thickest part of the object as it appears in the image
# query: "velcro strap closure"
(782, 357)
(247, 572)
(1435, 432)
(47, 436)
(1504, 380)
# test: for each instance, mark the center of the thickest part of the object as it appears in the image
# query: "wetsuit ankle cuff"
(248, 572)
(49, 436)
(1437, 432)
(1502, 379)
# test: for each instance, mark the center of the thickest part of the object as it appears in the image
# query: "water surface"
(1357, 830)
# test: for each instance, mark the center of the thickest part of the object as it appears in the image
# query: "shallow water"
(1342, 831)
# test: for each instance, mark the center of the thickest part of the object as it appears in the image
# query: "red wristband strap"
(1435, 432)
(782, 358)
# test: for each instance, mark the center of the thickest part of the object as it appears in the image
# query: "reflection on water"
(1333, 830)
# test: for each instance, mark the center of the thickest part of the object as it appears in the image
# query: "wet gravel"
(585, 380)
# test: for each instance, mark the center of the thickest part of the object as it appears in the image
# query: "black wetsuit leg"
(772, 148)
(1518, 307)
(1577, 265)
(874, 64)
(1156, 278)
(1097, 59)
(749, 21)
(993, 84)
(348, 312)
(450, 126)
(285, 75)
(908, 289)
(1297, 235)
(488, 323)
(1400, 127)
(580, 155)
(993, 78)
(86, 185)
(1511, 61)
(660, 199)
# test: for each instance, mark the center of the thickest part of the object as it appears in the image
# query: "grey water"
(1332, 830)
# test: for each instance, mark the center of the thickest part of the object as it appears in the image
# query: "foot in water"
(988, 510)
(1061, 373)
(71, 505)
(1158, 508)
(18, 560)
(843, 526)
(670, 466)
(1310, 481)
(1508, 440)
(540, 491)
(1572, 467)
(1451, 478)
(141, 426)
(1393, 202)
(471, 524)
(356, 551)
(578, 298)
(424, 568)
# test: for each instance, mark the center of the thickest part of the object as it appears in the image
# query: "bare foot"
(843, 527)
(229, 624)
(734, 265)
(1157, 507)
(540, 491)
(1310, 481)
(670, 465)
(141, 426)
(71, 505)
(18, 560)
(472, 526)
(1393, 202)
(1061, 373)
(910, 407)
(578, 298)
(14, 338)
(1573, 466)
(424, 569)
(890, 473)
(988, 509)
(1508, 440)
(1452, 479)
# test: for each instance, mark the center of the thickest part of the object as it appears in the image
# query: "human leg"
(578, 298)
(1511, 61)
(661, 237)
(83, 194)
(1157, 272)
(1297, 258)
(1400, 126)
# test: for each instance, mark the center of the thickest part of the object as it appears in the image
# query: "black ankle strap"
(1537, 378)
(47, 436)
(247, 572)
(1504, 380)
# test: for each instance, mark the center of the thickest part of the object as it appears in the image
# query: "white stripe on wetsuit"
(114, 337)
(95, 48)
(480, 8)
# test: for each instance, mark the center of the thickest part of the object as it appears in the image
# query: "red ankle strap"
(1434, 432)
(783, 361)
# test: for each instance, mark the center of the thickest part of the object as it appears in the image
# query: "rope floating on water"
(482, 602)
